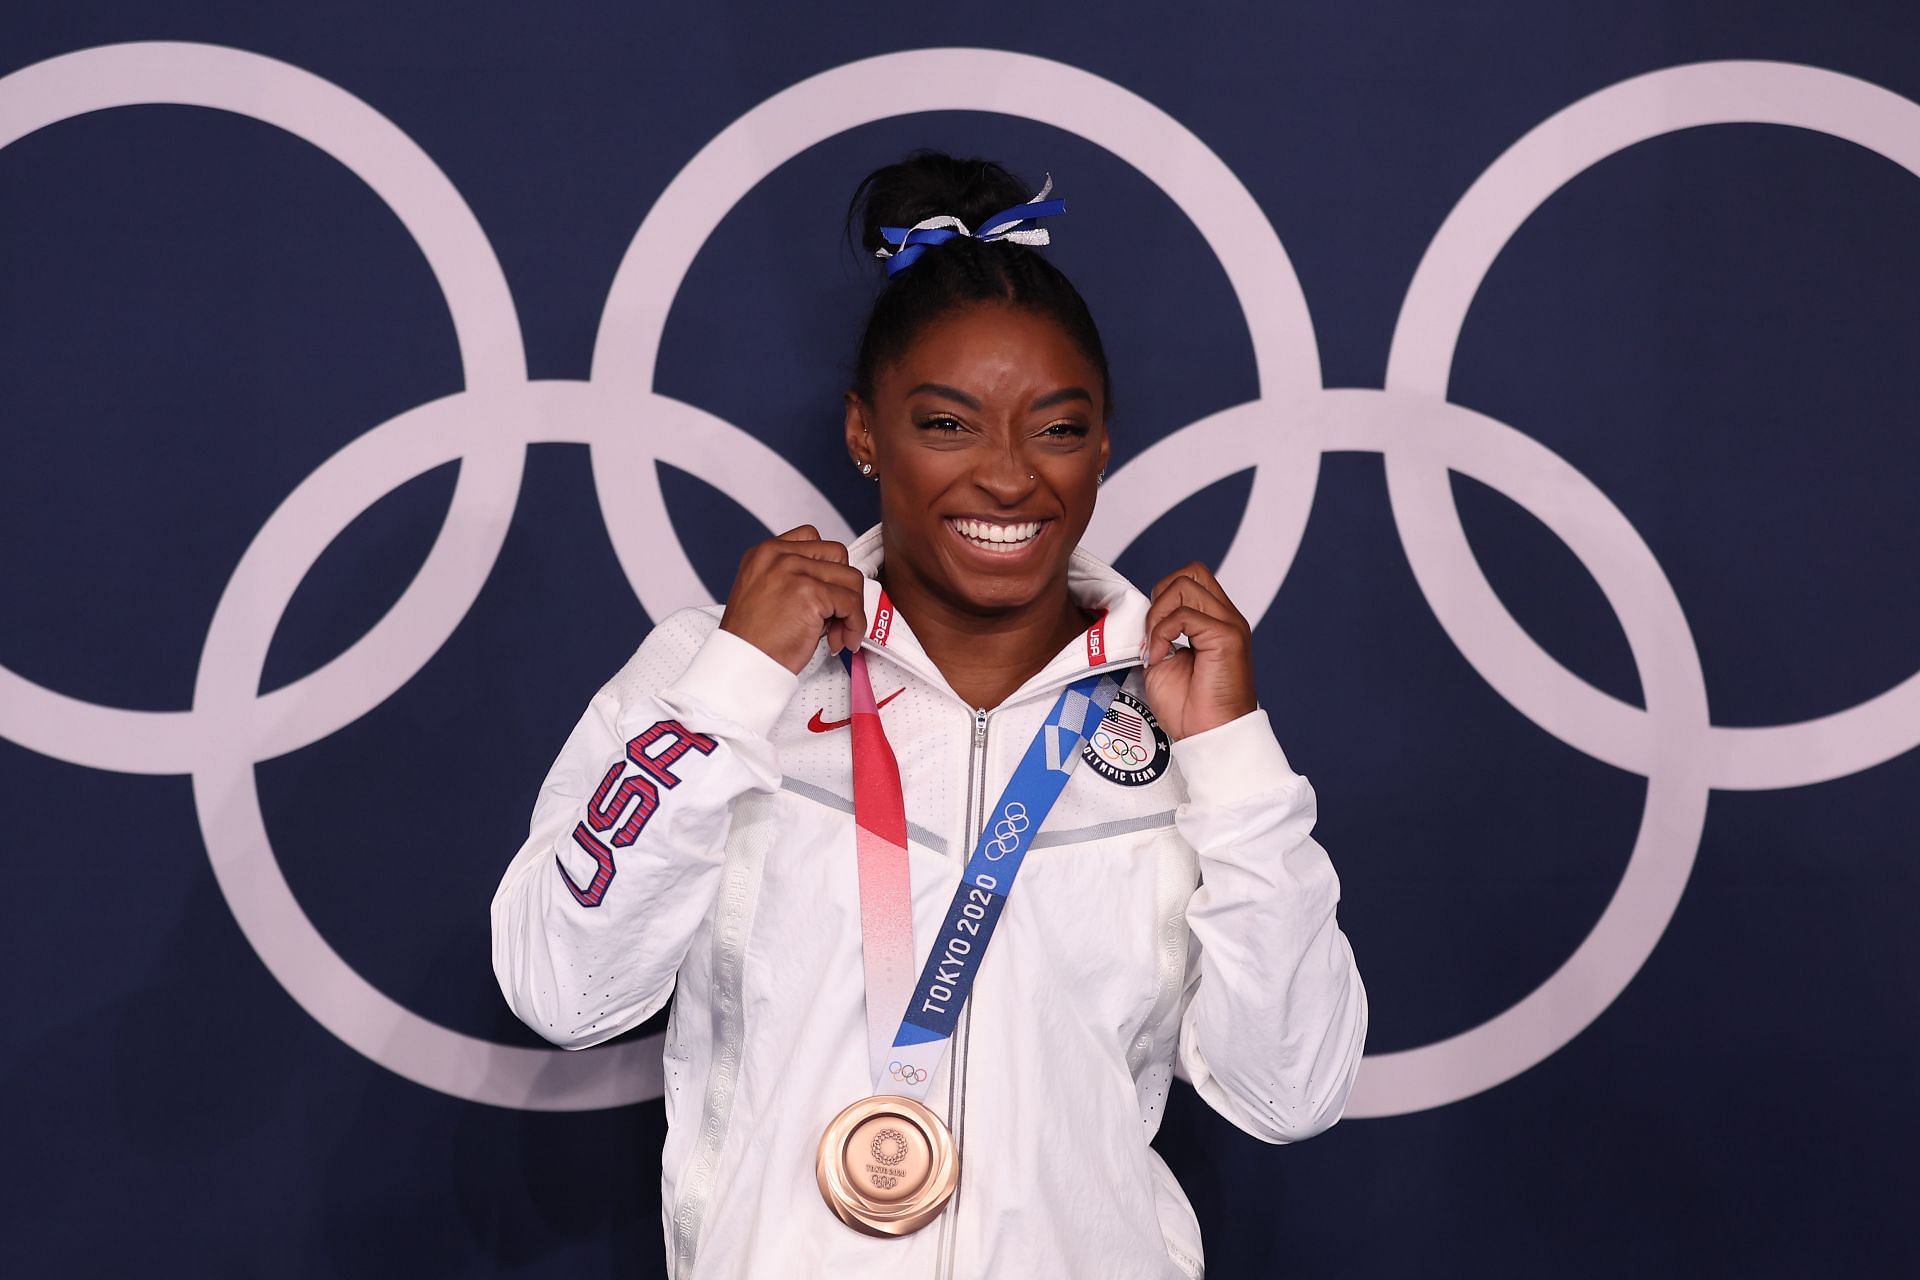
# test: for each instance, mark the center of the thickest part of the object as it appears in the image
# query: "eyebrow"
(1047, 401)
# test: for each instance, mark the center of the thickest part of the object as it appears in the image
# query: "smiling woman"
(988, 447)
(825, 907)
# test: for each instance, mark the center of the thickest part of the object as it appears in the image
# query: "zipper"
(957, 1075)
(1112, 666)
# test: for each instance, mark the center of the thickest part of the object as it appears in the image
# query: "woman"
(869, 1011)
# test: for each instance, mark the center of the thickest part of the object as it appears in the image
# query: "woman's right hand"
(790, 591)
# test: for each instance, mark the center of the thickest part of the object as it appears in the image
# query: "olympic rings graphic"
(1117, 746)
(1007, 831)
(487, 426)
(906, 1074)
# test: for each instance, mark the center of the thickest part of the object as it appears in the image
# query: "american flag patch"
(1126, 723)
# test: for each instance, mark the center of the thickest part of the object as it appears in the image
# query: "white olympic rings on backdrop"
(487, 426)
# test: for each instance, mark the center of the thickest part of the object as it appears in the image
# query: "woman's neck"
(986, 656)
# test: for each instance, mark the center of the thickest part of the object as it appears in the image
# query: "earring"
(866, 468)
(1100, 479)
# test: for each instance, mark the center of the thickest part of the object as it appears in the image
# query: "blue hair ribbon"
(1016, 225)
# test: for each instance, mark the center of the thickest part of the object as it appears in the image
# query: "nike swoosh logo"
(828, 726)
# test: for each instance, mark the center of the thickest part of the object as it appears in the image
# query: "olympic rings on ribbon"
(487, 426)
(1008, 830)
(907, 1074)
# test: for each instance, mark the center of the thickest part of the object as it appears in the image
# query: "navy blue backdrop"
(1710, 331)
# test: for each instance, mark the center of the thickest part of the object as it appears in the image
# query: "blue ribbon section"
(910, 243)
(1036, 784)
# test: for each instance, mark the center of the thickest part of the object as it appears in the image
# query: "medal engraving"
(888, 1160)
(887, 1165)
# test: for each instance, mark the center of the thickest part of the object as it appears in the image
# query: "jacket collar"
(1111, 644)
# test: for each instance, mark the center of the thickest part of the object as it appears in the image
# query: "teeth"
(988, 534)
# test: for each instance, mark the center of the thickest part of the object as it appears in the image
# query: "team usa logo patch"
(1128, 746)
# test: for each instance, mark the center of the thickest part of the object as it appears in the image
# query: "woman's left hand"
(1196, 689)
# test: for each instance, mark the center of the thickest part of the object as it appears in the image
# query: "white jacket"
(1188, 914)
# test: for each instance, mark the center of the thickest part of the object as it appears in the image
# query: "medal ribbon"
(932, 1006)
(886, 896)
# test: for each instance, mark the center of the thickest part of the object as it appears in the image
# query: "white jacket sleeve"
(1274, 1017)
(624, 852)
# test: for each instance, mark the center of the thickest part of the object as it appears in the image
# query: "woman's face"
(989, 436)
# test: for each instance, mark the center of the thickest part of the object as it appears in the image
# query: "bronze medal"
(887, 1165)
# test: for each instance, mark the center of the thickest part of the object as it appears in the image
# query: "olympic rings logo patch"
(907, 1074)
(1128, 746)
(1423, 438)
(1127, 752)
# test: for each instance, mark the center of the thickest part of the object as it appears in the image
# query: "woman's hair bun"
(929, 183)
(956, 272)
